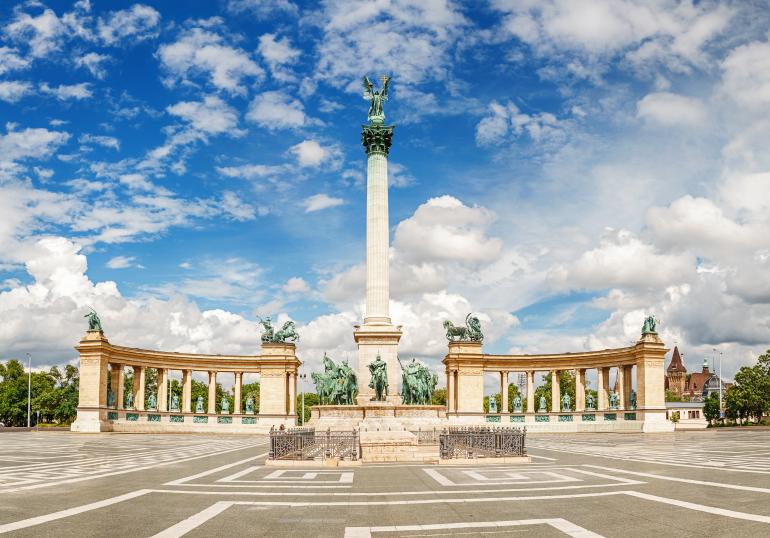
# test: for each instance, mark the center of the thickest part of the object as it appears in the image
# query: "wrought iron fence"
(308, 444)
(427, 436)
(482, 442)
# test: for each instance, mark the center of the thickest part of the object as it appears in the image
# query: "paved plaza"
(711, 483)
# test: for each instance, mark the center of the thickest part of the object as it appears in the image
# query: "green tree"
(250, 389)
(438, 397)
(54, 395)
(566, 386)
(711, 408)
(671, 396)
(311, 399)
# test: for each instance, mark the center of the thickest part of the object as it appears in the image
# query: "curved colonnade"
(277, 366)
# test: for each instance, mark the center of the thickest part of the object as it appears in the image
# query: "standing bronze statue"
(94, 323)
(379, 382)
(376, 112)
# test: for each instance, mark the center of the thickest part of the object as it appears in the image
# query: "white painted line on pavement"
(213, 471)
(685, 480)
(701, 507)
(239, 474)
(31, 522)
(194, 521)
(567, 527)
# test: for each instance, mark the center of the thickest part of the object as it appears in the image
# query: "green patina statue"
(337, 385)
(470, 333)
(174, 402)
(129, 401)
(566, 402)
(199, 405)
(376, 112)
(417, 383)
(590, 403)
(542, 408)
(249, 405)
(152, 401)
(517, 404)
(650, 325)
(287, 332)
(94, 323)
(110, 398)
(492, 405)
(379, 382)
(632, 400)
(225, 405)
(614, 400)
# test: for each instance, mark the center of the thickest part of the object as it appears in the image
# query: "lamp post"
(302, 378)
(720, 383)
(29, 391)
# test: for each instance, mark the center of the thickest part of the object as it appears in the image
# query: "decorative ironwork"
(201, 420)
(482, 442)
(542, 418)
(224, 420)
(517, 418)
(495, 418)
(153, 418)
(307, 444)
(249, 420)
(565, 418)
(589, 418)
(132, 416)
(609, 417)
(427, 437)
(629, 416)
(177, 418)
(112, 415)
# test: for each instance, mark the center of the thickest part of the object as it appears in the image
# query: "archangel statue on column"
(376, 113)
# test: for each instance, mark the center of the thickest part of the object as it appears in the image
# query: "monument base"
(376, 337)
(90, 421)
(377, 416)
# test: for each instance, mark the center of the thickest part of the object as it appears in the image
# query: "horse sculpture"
(470, 333)
(337, 385)
(287, 332)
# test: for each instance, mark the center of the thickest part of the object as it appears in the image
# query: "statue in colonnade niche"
(225, 405)
(174, 402)
(110, 398)
(199, 405)
(152, 401)
(632, 400)
(250, 405)
(542, 408)
(130, 400)
(590, 403)
(94, 323)
(614, 400)
(566, 402)
(379, 382)
(470, 333)
(517, 404)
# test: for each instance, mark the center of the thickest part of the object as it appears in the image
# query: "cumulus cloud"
(295, 285)
(121, 262)
(504, 120)
(10, 60)
(311, 153)
(211, 116)
(746, 74)
(11, 91)
(278, 53)
(65, 92)
(671, 109)
(94, 63)
(263, 8)
(42, 34)
(201, 52)
(276, 110)
(139, 22)
(106, 141)
(317, 202)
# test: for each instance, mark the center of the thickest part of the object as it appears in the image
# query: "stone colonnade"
(466, 364)
(277, 366)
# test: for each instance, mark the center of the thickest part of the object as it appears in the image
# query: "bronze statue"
(470, 333)
(379, 382)
(376, 112)
(94, 323)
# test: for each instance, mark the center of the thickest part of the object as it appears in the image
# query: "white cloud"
(94, 63)
(276, 110)
(502, 120)
(11, 91)
(106, 141)
(277, 51)
(11, 61)
(670, 109)
(746, 74)
(200, 51)
(139, 22)
(43, 34)
(445, 229)
(122, 262)
(236, 208)
(317, 202)
(211, 116)
(296, 285)
(35, 143)
(64, 92)
(250, 171)
(311, 153)
(263, 8)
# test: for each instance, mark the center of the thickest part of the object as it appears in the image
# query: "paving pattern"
(711, 483)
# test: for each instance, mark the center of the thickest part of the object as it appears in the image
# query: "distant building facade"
(676, 375)
(694, 387)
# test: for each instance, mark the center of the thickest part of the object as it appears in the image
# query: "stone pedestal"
(279, 362)
(651, 402)
(467, 359)
(377, 339)
(92, 397)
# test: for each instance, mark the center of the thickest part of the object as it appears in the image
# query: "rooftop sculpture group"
(470, 333)
(650, 325)
(282, 335)
(337, 385)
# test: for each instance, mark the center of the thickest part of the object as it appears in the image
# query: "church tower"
(676, 374)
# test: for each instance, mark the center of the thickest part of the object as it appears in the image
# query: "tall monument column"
(377, 336)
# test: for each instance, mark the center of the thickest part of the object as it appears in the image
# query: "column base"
(90, 421)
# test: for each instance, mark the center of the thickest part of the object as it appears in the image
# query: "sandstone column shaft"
(621, 388)
(163, 389)
(377, 240)
(212, 393)
(580, 389)
(555, 392)
(237, 389)
(530, 392)
(139, 373)
(292, 394)
(604, 383)
(627, 384)
(503, 392)
(186, 390)
(450, 391)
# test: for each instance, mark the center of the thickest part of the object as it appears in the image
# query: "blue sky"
(561, 168)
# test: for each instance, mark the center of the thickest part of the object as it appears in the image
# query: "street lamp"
(302, 378)
(29, 391)
(720, 383)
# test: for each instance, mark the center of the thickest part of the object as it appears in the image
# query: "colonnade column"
(530, 392)
(621, 388)
(186, 390)
(450, 392)
(604, 382)
(212, 393)
(555, 391)
(292, 393)
(503, 392)
(163, 389)
(139, 372)
(116, 379)
(237, 388)
(628, 384)
(580, 389)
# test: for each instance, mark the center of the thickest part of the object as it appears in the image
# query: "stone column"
(621, 388)
(450, 393)
(603, 375)
(92, 391)
(139, 378)
(120, 389)
(238, 385)
(580, 389)
(212, 393)
(186, 391)
(162, 389)
(530, 392)
(292, 393)
(115, 381)
(555, 391)
(503, 392)
(627, 385)
(649, 353)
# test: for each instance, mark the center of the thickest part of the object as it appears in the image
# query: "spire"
(676, 364)
(705, 364)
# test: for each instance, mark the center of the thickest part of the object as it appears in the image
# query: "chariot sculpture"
(288, 332)
(470, 333)
(94, 323)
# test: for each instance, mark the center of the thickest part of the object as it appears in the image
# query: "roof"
(684, 405)
(676, 364)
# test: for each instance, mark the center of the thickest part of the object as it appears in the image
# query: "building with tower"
(676, 375)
